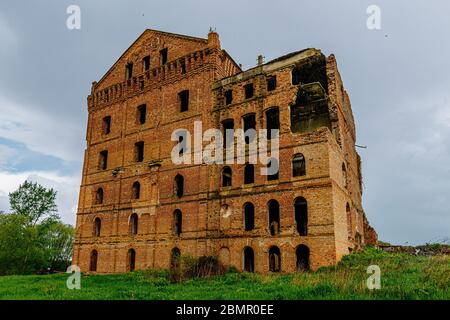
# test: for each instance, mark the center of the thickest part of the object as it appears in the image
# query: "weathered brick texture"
(213, 220)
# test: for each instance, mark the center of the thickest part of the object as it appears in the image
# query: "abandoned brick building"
(138, 210)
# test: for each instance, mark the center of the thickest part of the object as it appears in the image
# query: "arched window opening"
(97, 227)
(302, 254)
(99, 196)
(274, 217)
(93, 261)
(179, 186)
(301, 216)
(136, 192)
(249, 174)
(131, 260)
(249, 260)
(298, 165)
(249, 216)
(274, 259)
(134, 224)
(226, 177)
(178, 221)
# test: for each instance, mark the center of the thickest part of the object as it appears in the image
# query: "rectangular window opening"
(272, 121)
(228, 97)
(248, 89)
(249, 123)
(107, 125)
(184, 100)
(129, 70)
(271, 83)
(146, 63)
(142, 113)
(139, 151)
(103, 160)
(163, 56)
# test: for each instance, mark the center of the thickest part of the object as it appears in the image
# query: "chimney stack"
(213, 39)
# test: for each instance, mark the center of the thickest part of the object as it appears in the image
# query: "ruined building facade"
(138, 210)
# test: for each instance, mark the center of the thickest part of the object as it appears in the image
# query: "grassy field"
(403, 276)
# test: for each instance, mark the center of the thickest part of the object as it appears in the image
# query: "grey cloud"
(397, 78)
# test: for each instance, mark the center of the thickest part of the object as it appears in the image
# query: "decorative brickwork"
(137, 208)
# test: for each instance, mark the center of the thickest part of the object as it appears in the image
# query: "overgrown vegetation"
(403, 276)
(32, 237)
(186, 267)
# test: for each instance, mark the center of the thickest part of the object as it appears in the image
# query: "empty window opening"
(136, 191)
(274, 217)
(228, 97)
(248, 90)
(139, 151)
(99, 196)
(134, 223)
(298, 165)
(129, 70)
(146, 63)
(273, 169)
(302, 255)
(106, 127)
(249, 174)
(93, 261)
(183, 66)
(274, 259)
(131, 260)
(296, 76)
(163, 56)
(179, 186)
(249, 260)
(184, 100)
(249, 216)
(301, 216)
(141, 84)
(97, 227)
(272, 121)
(344, 176)
(175, 258)
(142, 113)
(271, 83)
(103, 160)
(181, 144)
(228, 132)
(349, 221)
(226, 177)
(249, 124)
(177, 222)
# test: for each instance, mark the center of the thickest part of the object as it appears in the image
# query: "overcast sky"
(398, 79)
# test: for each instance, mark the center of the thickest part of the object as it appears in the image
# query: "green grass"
(402, 277)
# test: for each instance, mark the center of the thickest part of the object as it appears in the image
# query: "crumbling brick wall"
(315, 120)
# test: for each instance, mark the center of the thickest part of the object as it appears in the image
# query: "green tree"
(34, 202)
(32, 237)
(19, 253)
(56, 240)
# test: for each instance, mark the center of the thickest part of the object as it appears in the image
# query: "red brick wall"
(212, 215)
